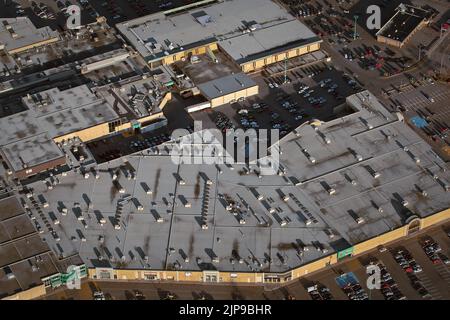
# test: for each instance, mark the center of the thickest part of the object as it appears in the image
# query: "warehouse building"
(19, 34)
(405, 23)
(229, 89)
(28, 140)
(27, 264)
(339, 192)
(254, 33)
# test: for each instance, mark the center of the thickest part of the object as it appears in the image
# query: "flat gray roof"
(369, 141)
(31, 151)
(20, 32)
(280, 37)
(404, 22)
(57, 113)
(62, 112)
(26, 137)
(226, 85)
(23, 251)
(227, 22)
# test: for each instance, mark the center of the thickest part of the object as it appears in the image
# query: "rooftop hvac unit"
(360, 220)
(330, 233)
(118, 186)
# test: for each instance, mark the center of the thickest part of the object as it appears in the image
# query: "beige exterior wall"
(247, 277)
(33, 45)
(248, 67)
(302, 51)
(185, 54)
(102, 130)
(314, 266)
(219, 101)
(380, 240)
(389, 41)
(398, 44)
(29, 294)
(292, 53)
(435, 218)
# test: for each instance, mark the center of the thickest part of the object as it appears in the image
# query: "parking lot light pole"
(420, 51)
(442, 59)
(285, 69)
(356, 17)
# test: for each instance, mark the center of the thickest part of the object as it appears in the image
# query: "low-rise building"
(405, 23)
(254, 33)
(19, 34)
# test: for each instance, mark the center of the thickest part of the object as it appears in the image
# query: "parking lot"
(285, 102)
(375, 65)
(334, 22)
(117, 11)
(385, 70)
(426, 109)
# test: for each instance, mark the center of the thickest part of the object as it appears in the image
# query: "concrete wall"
(29, 294)
(33, 45)
(198, 107)
(187, 53)
(104, 63)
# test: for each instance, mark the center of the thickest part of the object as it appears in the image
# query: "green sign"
(345, 253)
(64, 278)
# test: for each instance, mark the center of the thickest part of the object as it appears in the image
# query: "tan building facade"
(235, 96)
(278, 57)
(259, 278)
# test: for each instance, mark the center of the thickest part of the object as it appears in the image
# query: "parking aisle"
(398, 275)
(428, 284)
(444, 241)
(328, 279)
(298, 291)
(430, 277)
(362, 277)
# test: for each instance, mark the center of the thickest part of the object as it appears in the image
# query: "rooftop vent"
(202, 17)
